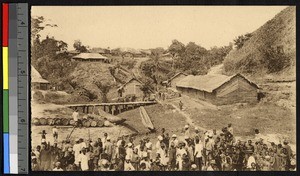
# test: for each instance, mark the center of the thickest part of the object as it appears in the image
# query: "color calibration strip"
(15, 87)
(5, 29)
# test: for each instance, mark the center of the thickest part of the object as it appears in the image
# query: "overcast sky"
(152, 26)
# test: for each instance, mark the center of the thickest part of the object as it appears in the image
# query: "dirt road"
(136, 69)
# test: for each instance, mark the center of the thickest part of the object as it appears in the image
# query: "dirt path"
(183, 112)
(217, 69)
(136, 68)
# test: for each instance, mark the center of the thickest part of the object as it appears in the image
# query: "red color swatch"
(4, 25)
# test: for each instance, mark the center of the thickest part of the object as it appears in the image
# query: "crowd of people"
(193, 151)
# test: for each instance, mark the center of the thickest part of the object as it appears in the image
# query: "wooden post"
(113, 110)
(119, 109)
(110, 109)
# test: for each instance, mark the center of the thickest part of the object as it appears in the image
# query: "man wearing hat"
(174, 140)
(159, 142)
(58, 167)
(197, 133)
(172, 156)
(198, 153)
(163, 156)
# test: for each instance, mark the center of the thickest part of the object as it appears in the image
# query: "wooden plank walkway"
(111, 104)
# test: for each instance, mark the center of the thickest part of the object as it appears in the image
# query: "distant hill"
(270, 50)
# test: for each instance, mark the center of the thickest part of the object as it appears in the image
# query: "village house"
(219, 89)
(131, 87)
(173, 80)
(37, 82)
(91, 57)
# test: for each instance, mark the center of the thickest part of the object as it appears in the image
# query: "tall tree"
(104, 89)
(79, 46)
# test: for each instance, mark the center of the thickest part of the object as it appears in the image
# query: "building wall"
(238, 90)
(176, 79)
(40, 86)
(133, 87)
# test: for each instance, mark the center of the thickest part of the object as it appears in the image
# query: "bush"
(38, 96)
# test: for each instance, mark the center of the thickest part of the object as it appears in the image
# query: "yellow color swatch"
(5, 67)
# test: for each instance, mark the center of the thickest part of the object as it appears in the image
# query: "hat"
(186, 137)
(144, 154)
(108, 138)
(194, 166)
(129, 144)
(186, 126)
(212, 162)
(57, 164)
(174, 136)
(160, 138)
(104, 162)
(43, 140)
(33, 157)
(197, 128)
(70, 149)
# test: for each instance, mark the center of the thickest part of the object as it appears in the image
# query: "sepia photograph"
(163, 88)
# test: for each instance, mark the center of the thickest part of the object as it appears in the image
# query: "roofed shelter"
(219, 89)
(175, 79)
(91, 57)
(131, 87)
(37, 82)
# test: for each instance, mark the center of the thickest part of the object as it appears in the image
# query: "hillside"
(270, 49)
(86, 73)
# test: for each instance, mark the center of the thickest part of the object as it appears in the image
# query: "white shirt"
(82, 145)
(128, 167)
(118, 143)
(230, 129)
(129, 153)
(163, 156)
(83, 159)
(174, 141)
(148, 145)
(76, 149)
(180, 152)
(54, 130)
(75, 116)
(251, 160)
(198, 150)
(55, 169)
(157, 145)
